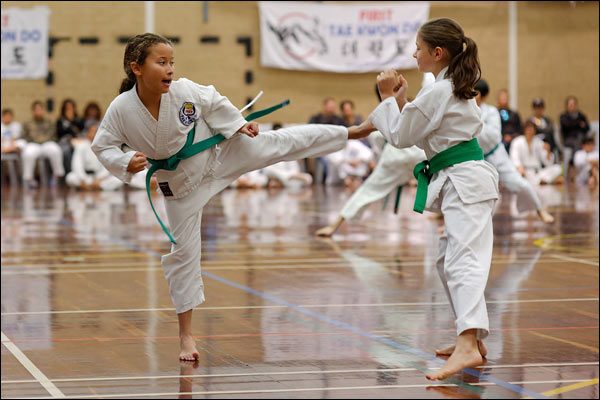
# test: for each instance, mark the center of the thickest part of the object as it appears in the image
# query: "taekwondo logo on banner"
(25, 43)
(349, 38)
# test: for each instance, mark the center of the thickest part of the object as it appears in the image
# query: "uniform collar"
(441, 75)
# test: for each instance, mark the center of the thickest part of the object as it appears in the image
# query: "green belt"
(191, 149)
(492, 150)
(465, 151)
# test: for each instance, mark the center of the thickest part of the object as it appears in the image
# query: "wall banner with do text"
(25, 42)
(362, 37)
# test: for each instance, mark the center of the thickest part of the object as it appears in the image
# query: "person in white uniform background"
(586, 164)
(533, 158)
(154, 114)
(442, 116)
(395, 168)
(490, 141)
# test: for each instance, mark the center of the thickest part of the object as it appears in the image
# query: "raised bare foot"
(326, 231)
(188, 348)
(459, 360)
(545, 216)
(449, 350)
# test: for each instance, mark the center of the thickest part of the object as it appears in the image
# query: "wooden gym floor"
(86, 311)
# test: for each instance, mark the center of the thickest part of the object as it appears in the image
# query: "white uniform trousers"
(232, 158)
(32, 151)
(510, 178)
(464, 258)
(109, 183)
(546, 174)
(395, 168)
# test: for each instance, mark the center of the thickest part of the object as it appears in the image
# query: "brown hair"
(464, 68)
(137, 50)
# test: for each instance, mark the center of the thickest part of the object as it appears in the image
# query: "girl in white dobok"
(154, 114)
(444, 121)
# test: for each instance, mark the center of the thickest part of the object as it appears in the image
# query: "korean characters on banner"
(350, 38)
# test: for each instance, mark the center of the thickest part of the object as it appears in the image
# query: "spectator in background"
(11, 133)
(544, 127)
(586, 164)
(40, 134)
(92, 115)
(326, 116)
(347, 109)
(574, 127)
(68, 127)
(509, 120)
(533, 158)
(87, 172)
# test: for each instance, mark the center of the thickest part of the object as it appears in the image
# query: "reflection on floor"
(288, 315)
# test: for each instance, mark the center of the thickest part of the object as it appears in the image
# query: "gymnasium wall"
(557, 55)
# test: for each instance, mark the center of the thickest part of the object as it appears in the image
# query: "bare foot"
(459, 360)
(449, 350)
(188, 348)
(545, 216)
(326, 231)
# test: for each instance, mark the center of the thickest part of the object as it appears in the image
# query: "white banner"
(361, 37)
(25, 43)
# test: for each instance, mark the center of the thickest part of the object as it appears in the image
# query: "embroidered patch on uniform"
(187, 113)
(164, 186)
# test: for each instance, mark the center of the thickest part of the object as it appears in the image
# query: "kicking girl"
(160, 117)
(444, 120)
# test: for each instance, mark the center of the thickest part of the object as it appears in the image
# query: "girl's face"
(423, 54)
(156, 74)
(69, 110)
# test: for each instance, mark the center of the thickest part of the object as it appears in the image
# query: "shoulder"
(518, 141)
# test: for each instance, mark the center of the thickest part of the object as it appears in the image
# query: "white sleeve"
(580, 158)
(492, 125)
(107, 147)
(218, 112)
(401, 129)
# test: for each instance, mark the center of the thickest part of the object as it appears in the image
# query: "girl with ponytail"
(176, 125)
(444, 120)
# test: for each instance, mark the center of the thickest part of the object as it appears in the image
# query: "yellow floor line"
(570, 387)
(583, 346)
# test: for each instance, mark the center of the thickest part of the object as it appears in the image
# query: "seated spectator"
(286, 174)
(68, 127)
(574, 127)
(533, 158)
(347, 109)
(91, 116)
(87, 173)
(544, 127)
(326, 116)
(586, 164)
(356, 164)
(250, 180)
(40, 135)
(510, 120)
(11, 133)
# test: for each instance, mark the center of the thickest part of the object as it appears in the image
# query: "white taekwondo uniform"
(191, 185)
(491, 137)
(464, 193)
(538, 163)
(86, 168)
(582, 160)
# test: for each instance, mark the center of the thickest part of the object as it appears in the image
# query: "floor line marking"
(583, 346)
(301, 305)
(33, 370)
(573, 259)
(126, 378)
(571, 387)
(256, 391)
(408, 349)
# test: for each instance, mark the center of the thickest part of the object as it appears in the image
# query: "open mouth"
(166, 81)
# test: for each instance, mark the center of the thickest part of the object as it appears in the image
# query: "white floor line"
(567, 258)
(275, 373)
(301, 305)
(254, 391)
(33, 370)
